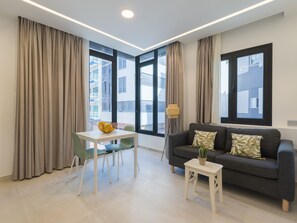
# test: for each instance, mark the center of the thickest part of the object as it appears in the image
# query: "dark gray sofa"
(274, 176)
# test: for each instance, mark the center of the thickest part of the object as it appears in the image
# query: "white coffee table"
(213, 171)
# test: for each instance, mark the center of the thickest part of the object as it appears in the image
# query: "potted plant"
(202, 155)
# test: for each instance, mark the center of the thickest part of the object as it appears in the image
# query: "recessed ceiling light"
(128, 14)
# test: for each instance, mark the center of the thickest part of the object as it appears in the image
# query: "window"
(246, 86)
(161, 89)
(100, 89)
(122, 63)
(102, 49)
(126, 90)
(112, 73)
(151, 86)
(122, 84)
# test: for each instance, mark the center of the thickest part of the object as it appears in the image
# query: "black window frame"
(139, 65)
(267, 51)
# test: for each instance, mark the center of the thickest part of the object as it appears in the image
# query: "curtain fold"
(204, 67)
(174, 86)
(50, 99)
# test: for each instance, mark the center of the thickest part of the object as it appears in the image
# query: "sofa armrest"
(177, 139)
(286, 169)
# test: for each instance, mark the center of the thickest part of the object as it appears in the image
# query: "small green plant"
(202, 152)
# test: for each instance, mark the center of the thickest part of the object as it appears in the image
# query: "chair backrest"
(128, 142)
(78, 148)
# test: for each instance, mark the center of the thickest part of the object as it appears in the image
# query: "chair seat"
(90, 152)
(115, 147)
(263, 168)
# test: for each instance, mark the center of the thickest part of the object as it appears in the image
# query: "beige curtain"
(216, 79)
(204, 68)
(50, 99)
(174, 86)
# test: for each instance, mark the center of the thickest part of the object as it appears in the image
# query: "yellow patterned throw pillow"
(205, 139)
(246, 146)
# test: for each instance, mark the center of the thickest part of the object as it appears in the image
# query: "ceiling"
(155, 21)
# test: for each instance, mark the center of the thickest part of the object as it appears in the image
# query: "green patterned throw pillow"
(205, 139)
(246, 146)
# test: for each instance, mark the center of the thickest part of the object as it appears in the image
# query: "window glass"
(122, 84)
(146, 98)
(250, 86)
(161, 89)
(146, 57)
(122, 63)
(126, 90)
(102, 49)
(100, 91)
(224, 88)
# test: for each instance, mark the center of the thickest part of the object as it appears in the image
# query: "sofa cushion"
(269, 142)
(190, 152)
(246, 145)
(204, 139)
(263, 168)
(220, 137)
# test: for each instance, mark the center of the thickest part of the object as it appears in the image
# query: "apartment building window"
(122, 84)
(151, 89)
(126, 90)
(122, 63)
(246, 86)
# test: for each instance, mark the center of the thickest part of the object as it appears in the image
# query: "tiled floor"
(156, 195)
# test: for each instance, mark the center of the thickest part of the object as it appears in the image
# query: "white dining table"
(99, 137)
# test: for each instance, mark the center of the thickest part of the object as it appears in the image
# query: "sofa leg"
(172, 169)
(285, 205)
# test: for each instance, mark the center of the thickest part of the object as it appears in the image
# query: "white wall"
(8, 61)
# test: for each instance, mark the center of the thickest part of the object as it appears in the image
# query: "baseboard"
(5, 178)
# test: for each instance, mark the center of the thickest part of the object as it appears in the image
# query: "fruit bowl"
(107, 127)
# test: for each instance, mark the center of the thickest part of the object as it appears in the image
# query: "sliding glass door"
(151, 91)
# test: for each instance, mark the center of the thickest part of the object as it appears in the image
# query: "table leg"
(220, 185)
(135, 154)
(113, 154)
(76, 164)
(195, 181)
(187, 173)
(95, 168)
(113, 157)
(212, 193)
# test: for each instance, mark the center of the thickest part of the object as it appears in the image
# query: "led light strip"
(158, 44)
(80, 23)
